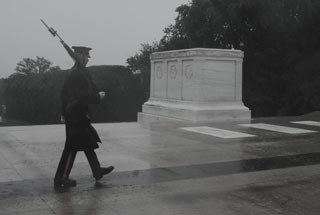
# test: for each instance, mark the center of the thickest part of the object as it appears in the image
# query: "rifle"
(69, 50)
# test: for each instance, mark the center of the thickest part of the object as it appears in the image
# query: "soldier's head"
(82, 53)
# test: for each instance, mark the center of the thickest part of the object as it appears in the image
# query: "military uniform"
(78, 92)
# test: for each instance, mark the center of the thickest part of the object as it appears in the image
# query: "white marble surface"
(217, 132)
(196, 84)
(308, 122)
(278, 128)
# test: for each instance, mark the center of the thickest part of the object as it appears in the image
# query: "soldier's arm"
(80, 91)
(71, 53)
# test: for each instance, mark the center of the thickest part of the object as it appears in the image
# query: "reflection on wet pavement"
(167, 170)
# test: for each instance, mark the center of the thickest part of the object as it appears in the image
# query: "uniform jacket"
(77, 93)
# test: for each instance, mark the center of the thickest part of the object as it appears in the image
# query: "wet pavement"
(272, 168)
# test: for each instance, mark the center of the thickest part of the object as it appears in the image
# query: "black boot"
(104, 171)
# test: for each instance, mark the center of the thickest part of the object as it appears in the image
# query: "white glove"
(102, 94)
(62, 119)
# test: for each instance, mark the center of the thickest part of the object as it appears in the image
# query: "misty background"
(280, 41)
(114, 29)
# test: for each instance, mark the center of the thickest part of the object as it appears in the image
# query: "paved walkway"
(267, 167)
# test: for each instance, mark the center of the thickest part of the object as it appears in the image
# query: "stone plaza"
(268, 167)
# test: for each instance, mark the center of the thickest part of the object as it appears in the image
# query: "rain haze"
(114, 30)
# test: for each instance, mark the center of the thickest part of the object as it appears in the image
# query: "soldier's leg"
(62, 164)
(69, 164)
(94, 163)
(64, 168)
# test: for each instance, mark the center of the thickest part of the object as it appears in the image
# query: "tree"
(197, 25)
(141, 62)
(2, 91)
(38, 66)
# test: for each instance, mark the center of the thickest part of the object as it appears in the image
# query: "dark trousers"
(67, 159)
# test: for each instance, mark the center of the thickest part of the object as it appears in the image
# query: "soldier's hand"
(62, 119)
(102, 94)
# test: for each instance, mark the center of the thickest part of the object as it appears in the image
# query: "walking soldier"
(78, 92)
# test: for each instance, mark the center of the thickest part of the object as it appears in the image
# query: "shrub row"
(35, 98)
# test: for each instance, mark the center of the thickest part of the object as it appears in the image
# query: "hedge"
(35, 98)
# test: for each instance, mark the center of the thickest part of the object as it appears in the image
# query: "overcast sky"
(115, 29)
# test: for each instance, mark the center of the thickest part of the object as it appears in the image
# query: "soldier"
(78, 92)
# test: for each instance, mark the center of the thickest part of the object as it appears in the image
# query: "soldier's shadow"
(101, 185)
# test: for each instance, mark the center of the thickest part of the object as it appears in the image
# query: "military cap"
(81, 50)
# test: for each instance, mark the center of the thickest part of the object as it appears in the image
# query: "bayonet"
(69, 50)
